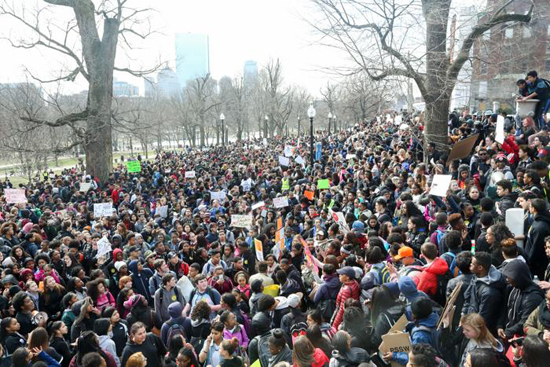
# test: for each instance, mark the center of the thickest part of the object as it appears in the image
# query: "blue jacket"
(419, 335)
(328, 290)
(140, 280)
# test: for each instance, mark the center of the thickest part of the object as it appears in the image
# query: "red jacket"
(427, 282)
(320, 359)
(348, 290)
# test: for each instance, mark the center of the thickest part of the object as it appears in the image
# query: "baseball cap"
(404, 251)
(347, 270)
(294, 299)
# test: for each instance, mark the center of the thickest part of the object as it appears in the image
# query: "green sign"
(133, 166)
(323, 184)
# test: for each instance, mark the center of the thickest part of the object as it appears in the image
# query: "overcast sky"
(239, 30)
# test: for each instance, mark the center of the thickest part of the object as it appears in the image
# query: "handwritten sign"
(284, 161)
(85, 186)
(103, 210)
(258, 205)
(241, 221)
(440, 185)
(258, 246)
(103, 247)
(300, 160)
(15, 196)
(280, 202)
(163, 211)
(289, 151)
(218, 195)
(133, 166)
(190, 174)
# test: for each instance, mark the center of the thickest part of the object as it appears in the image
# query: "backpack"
(175, 329)
(263, 348)
(298, 329)
(384, 275)
(209, 292)
(327, 308)
(246, 324)
(435, 335)
(452, 266)
(439, 238)
(441, 292)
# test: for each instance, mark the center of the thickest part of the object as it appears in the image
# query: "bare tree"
(350, 24)
(98, 29)
(279, 98)
(331, 96)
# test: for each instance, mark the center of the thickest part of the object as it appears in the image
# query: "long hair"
(476, 322)
(38, 338)
(302, 352)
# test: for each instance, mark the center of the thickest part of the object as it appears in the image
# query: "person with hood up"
(422, 330)
(288, 286)
(435, 267)
(344, 354)
(534, 248)
(176, 320)
(524, 297)
(140, 279)
(350, 289)
(485, 295)
(407, 287)
(102, 327)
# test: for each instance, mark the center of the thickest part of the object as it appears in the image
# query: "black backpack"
(440, 295)
(327, 308)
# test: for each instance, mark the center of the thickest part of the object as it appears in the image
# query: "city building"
(124, 89)
(192, 56)
(506, 53)
(165, 85)
(250, 73)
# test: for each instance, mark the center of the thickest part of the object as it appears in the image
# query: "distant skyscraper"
(250, 73)
(192, 56)
(124, 89)
(168, 83)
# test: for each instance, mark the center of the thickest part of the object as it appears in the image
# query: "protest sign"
(103, 210)
(258, 205)
(265, 141)
(258, 246)
(280, 202)
(133, 166)
(284, 161)
(217, 195)
(440, 185)
(289, 151)
(396, 340)
(350, 156)
(300, 160)
(190, 174)
(462, 148)
(85, 186)
(309, 194)
(515, 222)
(163, 211)
(279, 242)
(103, 247)
(499, 138)
(15, 196)
(449, 304)
(323, 184)
(309, 256)
(241, 221)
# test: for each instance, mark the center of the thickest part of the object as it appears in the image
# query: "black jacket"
(507, 202)
(152, 348)
(522, 299)
(534, 248)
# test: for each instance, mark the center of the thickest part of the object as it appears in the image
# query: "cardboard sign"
(462, 148)
(309, 195)
(323, 184)
(450, 304)
(258, 205)
(499, 137)
(440, 185)
(258, 246)
(85, 186)
(133, 166)
(15, 196)
(280, 202)
(103, 210)
(217, 195)
(350, 156)
(103, 247)
(515, 222)
(241, 221)
(190, 174)
(396, 342)
(284, 161)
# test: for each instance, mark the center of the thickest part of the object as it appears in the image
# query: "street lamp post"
(298, 125)
(222, 118)
(329, 121)
(335, 122)
(311, 115)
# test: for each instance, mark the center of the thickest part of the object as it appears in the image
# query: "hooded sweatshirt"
(534, 247)
(174, 310)
(152, 348)
(524, 297)
(419, 334)
(140, 279)
(427, 282)
(108, 345)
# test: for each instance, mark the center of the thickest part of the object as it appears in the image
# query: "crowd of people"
(172, 278)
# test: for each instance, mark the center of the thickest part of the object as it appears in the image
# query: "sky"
(239, 30)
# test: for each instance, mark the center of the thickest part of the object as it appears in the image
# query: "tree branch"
(62, 121)
(69, 3)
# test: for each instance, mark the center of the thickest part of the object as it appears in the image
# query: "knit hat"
(175, 309)
(132, 301)
(407, 286)
(119, 265)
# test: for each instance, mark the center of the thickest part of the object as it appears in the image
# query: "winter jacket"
(348, 290)
(174, 310)
(319, 359)
(110, 360)
(108, 345)
(524, 297)
(238, 332)
(538, 320)
(534, 248)
(428, 279)
(152, 348)
(140, 280)
(419, 334)
(285, 355)
(384, 323)
(350, 358)
(328, 290)
(486, 296)
(155, 282)
(507, 202)
(164, 298)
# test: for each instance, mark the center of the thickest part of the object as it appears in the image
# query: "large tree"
(379, 36)
(98, 29)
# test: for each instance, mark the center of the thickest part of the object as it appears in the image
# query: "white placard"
(499, 138)
(350, 156)
(264, 213)
(103, 247)
(280, 202)
(103, 210)
(85, 186)
(284, 161)
(190, 174)
(515, 221)
(398, 120)
(163, 211)
(265, 141)
(15, 196)
(300, 160)
(241, 221)
(217, 195)
(440, 185)
(289, 151)
(258, 205)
